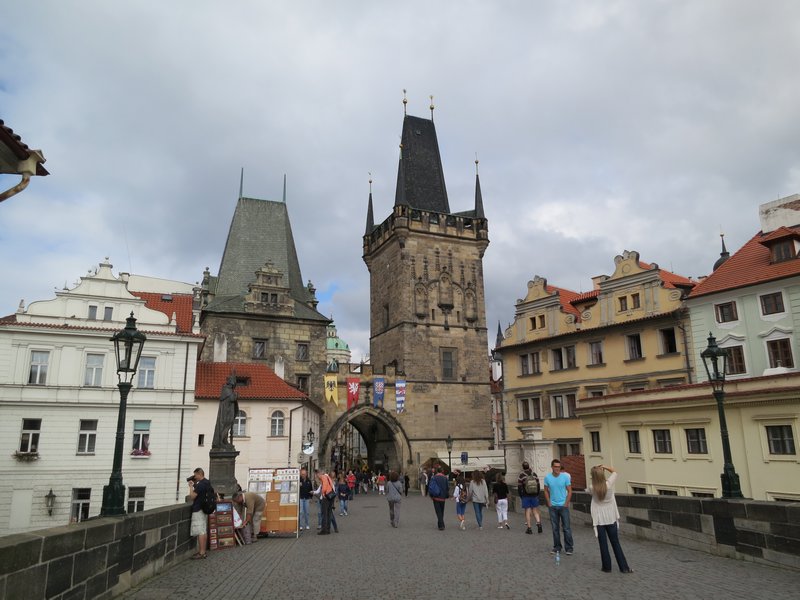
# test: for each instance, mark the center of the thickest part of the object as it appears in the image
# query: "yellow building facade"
(668, 441)
(627, 334)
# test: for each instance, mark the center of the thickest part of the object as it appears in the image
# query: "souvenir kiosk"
(280, 487)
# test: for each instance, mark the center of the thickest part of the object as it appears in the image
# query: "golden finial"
(405, 102)
(370, 182)
(431, 107)
(476, 163)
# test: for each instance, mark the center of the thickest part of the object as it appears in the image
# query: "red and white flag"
(353, 385)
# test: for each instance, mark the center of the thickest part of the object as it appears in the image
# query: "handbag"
(330, 496)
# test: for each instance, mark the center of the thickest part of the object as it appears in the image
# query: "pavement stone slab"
(370, 559)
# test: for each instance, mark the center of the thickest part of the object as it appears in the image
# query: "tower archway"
(383, 440)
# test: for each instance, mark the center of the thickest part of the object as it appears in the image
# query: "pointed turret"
(723, 256)
(479, 214)
(499, 340)
(370, 218)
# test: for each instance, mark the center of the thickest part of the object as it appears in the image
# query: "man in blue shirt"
(557, 494)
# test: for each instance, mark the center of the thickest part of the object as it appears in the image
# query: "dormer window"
(782, 250)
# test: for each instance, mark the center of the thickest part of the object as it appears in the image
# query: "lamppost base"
(113, 500)
(730, 484)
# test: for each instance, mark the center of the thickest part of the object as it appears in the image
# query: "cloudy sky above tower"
(600, 127)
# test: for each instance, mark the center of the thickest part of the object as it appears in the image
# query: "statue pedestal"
(222, 471)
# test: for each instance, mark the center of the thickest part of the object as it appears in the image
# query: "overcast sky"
(600, 127)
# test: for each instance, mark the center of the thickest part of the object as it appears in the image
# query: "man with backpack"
(528, 488)
(200, 493)
(439, 491)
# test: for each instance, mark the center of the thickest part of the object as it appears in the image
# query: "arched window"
(240, 424)
(276, 429)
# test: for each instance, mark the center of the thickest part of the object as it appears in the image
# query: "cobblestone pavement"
(370, 559)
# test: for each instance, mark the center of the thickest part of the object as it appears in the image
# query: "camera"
(190, 478)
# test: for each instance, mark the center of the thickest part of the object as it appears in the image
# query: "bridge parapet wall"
(98, 558)
(763, 532)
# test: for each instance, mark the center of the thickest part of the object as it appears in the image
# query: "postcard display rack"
(220, 527)
(281, 488)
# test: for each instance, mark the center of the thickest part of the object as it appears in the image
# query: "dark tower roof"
(420, 177)
(370, 218)
(499, 341)
(479, 214)
(723, 256)
(260, 231)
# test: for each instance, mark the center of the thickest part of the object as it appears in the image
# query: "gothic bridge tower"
(427, 307)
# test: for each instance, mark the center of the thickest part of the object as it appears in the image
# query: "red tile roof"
(750, 265)
(778, 234)
(585, 296)
(670, 279)
(263, 383)
(19, 148)
(565, 298)
(180, 304)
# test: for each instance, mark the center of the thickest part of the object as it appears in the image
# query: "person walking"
(351, 483)
(381, 484)
(423, 482)
(439, 491)
(479, 494)
(406, 483)
(343, 492)
(500, 493)
(394, 496)
(558, 493)
(461, 496)
(528, 489)
(605, 518)
(327, 496)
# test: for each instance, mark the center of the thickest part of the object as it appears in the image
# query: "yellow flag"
(331, 389)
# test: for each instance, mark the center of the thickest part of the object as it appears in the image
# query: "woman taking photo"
(605, 517)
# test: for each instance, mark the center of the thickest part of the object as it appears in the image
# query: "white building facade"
(59, 400)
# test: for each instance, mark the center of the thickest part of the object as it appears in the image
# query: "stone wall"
(99, 558)
(764, 532)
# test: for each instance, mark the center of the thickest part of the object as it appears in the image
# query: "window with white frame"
(780, 439)
(94, 370)
(696, 441)
(780, 353)
(669, 343)
(726, 312)
(136, 499)
(596, 353)
(562, 405)
(634, 444)
(38, 371)
(147, 373)
(735, 364)
(523, 409)
(524, 364)
(771, 303)
(633, 345)
(662, 441)
(563, 358)
(141, 438)
(29, 439)
(276, 424)
(535, 364)
(240, 424)
(80, 504)
(87, 436)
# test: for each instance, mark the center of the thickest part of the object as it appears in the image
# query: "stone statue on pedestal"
(226, 415)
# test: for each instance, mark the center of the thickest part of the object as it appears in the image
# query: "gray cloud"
(600, 127)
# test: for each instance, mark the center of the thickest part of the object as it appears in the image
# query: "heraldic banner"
(331, 389)
(400, 395)
(353, 385)
(378, 395)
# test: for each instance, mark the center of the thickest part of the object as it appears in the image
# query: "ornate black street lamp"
(449, 442)
(712, 356)
(128, 345)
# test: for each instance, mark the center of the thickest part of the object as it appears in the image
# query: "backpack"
(208, 503)
(531, 485)
(463, 496)
(433, 488)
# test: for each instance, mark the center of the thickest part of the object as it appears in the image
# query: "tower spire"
(405, 103)
(241, 182)
(723, 256)
(284, 188)
(479, 214)
(431, 107)
(370, 218)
